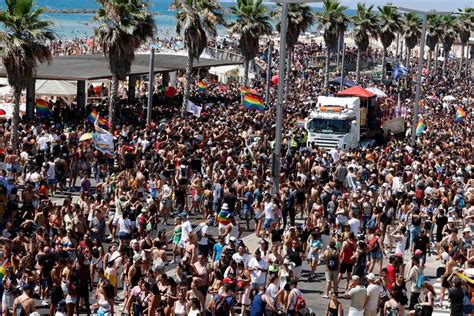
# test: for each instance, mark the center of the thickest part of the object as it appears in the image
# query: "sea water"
(71, 25)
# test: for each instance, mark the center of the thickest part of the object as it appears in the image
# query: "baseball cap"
(371, 276)
(228, 281)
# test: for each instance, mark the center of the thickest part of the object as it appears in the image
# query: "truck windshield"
(327, 126)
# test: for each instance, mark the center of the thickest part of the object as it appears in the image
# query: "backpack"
(20, 310)
(467, 306)
(221, 307)
(384, 218)
(332, 262)
(300, 303)
(393, 311)
(198, 232)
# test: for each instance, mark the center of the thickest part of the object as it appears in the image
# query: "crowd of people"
(78, 224)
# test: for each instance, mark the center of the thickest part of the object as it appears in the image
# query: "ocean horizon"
(80, 25)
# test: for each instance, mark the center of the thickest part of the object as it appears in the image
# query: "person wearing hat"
(421, 244)
(61, 308)
(358, 294)
(373, 296)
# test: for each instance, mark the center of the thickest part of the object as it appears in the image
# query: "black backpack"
(332, 262)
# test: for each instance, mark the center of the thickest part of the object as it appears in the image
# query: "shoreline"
(83, 11)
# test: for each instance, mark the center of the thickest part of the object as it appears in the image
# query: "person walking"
(373, 296)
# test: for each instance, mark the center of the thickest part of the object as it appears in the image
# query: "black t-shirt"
(294, 256)
(456, 296)
(180, 195)
(421, 243)
(128, 160)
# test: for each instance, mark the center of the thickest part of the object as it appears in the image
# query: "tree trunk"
(288, 71)
(436, 59)
(445, 61)
(358, 65)
(430, 55)
(326, 72)
(384, 56)
(408, 58)
(113, 101)
(246, 72)
(187, 88)
(462, 58)
(15, 119)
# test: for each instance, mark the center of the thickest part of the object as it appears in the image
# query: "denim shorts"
(267, 223)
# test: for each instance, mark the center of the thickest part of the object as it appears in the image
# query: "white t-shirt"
(269, 210)
(51, 171)
(204, 240)
(272, 291)
(124, 225)
(186, 229)
(257, 276)
(355, 225)
(245, 258)
(373, 292)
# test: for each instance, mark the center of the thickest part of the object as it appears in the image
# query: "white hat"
(371, 276)
(232, 238)
(466, 230)
(225, 206)
(450, 220)
(288, 262)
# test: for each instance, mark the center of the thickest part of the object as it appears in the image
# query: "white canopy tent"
(377, 91)
(224, 73)
(8, 108)
(64, 89)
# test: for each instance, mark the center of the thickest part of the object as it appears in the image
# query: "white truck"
(334, 122)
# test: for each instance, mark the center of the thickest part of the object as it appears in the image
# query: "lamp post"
(276, 161)
(420, 64)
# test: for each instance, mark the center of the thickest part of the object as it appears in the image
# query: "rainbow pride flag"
(224, 217)
(101, 122)
(42, 108)
(420, 127)
(438, 167)
(244, 91)
(300, 123)
(253, 101)
(201, 86)
(460, 114)
(421, 107)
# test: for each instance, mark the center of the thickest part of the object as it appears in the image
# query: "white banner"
(104, 143)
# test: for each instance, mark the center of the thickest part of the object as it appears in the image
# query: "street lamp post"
(276, 161)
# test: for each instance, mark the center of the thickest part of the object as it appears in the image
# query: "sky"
(438, 5)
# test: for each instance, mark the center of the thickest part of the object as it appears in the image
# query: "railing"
(223, 54)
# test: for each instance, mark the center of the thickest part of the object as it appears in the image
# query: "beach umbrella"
(90, 41)
(170, 92)
(275, 79)
(449, 98)
(86, 136)
(2, 112)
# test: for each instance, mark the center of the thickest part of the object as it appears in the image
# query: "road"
(312, 290)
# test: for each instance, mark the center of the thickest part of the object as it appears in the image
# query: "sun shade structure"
(92, 67)
(356, 91)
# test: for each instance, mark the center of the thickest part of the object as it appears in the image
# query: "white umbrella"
(449, 98)
(377, 92)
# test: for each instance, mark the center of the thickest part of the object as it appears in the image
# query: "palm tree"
(196, 19)
(23, 36)
(124, 25)
(331, 20)
(300, 19)
(449, 31)
(412, 30)
(389, 24)
(466, 23)
(365, 26)
(252, 21)
(432, 36)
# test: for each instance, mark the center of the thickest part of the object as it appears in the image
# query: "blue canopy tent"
(345, 82)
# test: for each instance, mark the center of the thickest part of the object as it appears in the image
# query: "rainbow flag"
(420, 127)
(244, 91)
(201, 86)
(438, 167)
(421, 107)
(42, 108)
(101, 122)
(300, 123)
(460, 114)
(253, 101)
(224, 217)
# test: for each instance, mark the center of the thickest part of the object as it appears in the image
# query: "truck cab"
(334, 122)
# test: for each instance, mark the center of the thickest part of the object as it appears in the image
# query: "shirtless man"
(25, 300)
(56, 291)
